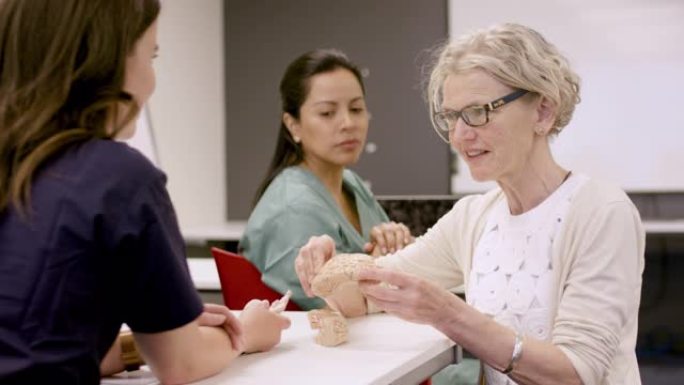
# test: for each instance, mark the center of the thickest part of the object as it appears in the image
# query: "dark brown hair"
(62, 72)
(294, 89)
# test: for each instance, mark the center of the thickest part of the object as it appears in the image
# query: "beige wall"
(187, 109)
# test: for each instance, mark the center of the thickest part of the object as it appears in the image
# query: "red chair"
(241, 281)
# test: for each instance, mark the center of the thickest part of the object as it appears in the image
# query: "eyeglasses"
(474, 116)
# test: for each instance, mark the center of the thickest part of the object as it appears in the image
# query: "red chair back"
(241, 281)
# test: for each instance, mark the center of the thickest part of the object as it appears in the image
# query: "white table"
(664, 227)
(204, 273)
(227, 231)
(382, 349)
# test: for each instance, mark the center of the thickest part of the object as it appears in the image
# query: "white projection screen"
(629, 128)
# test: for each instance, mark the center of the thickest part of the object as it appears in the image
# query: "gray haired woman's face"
(504, 145)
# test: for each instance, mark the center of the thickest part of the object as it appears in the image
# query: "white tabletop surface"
(671, 226)
(381, 349)
(227, 231)
(204, 273)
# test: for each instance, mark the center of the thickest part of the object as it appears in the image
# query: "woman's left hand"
(221, 316)
(407, 297)
(388, 237)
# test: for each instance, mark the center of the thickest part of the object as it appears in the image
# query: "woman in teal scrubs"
(308, 189)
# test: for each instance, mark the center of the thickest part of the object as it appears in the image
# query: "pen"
(280, 304)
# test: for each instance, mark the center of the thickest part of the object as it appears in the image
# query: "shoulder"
(293, 187)
(293, 192)
(595, 196)
(290, 177)
(478, 204)
(106, 169)
(117, 159)
(598, 204)
(469, 214)
(597, 192)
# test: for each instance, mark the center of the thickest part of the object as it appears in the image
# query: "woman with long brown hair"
(88, 235)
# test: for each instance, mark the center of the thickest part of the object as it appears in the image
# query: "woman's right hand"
(387, 238)
(311, 259)
(262, 327)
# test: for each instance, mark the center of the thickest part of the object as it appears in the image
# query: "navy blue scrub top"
(100, 247)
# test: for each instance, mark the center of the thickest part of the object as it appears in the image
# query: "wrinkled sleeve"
(602, 290)
(158, 292)
(436, 256)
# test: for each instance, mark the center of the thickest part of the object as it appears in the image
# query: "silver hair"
(517, 56)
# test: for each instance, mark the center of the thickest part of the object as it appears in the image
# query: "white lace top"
(512, 271)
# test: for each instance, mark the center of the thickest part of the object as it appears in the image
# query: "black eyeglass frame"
(453, 115)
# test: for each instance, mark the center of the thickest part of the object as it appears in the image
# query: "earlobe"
(291, 124)
(546, 115)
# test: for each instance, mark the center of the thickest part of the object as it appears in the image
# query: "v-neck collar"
(327, 196)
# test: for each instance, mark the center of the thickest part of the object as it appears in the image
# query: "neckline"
(546, 204)
(328, 197)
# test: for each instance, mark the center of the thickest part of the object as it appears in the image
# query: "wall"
(388, 39)
(628, 53)
(187, 109)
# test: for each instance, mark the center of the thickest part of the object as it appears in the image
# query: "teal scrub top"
(295, 207)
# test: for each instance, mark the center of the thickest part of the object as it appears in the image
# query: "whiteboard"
(143, 139)
(628, 129)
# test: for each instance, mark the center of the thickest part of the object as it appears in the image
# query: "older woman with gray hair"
(551, 259)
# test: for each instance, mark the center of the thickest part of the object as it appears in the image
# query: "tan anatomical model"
(337, 279)
(339, 270)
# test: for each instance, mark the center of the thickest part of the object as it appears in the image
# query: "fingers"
(390, 237)
(263, 327)
(285, 322)
(394, 278)
(216, 308)
(379, 293)
(406, 235)
(377, 236)
(235, 331)
(397, 232)
(210, 319)
(218, 315)
(302, 270)
(311, 258)
(257, 303)
(279, 305)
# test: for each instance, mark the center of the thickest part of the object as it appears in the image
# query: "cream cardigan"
(600, 259)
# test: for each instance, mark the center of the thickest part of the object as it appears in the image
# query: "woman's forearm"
(112, 362)
(186, 354)
(540, 362)
(211, 354)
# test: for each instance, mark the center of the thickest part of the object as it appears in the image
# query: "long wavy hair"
(294, 89)
(62, 72)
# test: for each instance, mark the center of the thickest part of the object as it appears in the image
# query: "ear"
(292, 125)
(546, 115)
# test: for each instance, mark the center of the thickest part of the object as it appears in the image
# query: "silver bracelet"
(517, 353)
